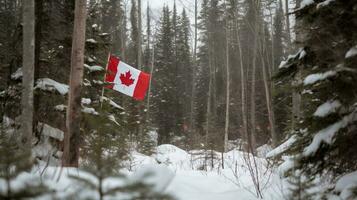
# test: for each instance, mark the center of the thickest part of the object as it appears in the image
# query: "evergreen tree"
(281, 97)
(163, 88)
(134, 34)
(202, 68)
(278, 35)
(14, 163)
(184, 73)
(324, 138)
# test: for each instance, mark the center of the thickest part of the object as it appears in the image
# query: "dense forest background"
(225, 74)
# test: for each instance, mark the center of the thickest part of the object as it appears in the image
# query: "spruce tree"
(327, 60)
(185, 74)
(163, 88)
(14, 163)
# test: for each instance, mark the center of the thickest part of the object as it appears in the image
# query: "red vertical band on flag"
(112, 70)
(141, 86)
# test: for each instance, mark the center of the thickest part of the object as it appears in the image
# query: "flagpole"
(105, 74)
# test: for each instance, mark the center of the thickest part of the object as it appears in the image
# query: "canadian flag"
(126, 79)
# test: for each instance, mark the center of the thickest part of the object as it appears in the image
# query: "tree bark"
(72, 133)
(267, 89)
(226, 126)
(139, 36)
(38, 39)
(28, 71)
(148, 117)
(243, 83)
(296, 96)
(251, 139)
(193, 89)
(287, 18)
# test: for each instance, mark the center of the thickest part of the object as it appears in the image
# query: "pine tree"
(134, 34)
(281, 97)
(278, 35)
(325, 134)
(163, 88)
(185, 73)
(14, 163)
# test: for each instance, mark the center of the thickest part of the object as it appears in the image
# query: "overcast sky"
(156, 7)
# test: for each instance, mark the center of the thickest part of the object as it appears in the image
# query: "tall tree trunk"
(296, 96)
(244, 113)
(252, 140)
(28, 71)
(139, 36)
(287, 18)
(38, 39)
(150, 85)
(140, 60)
(256, 30)
(209, 100)
(226, 125)
(193, 89)
(267, 89)
(72, 133)
(272, 66)
(123, 33)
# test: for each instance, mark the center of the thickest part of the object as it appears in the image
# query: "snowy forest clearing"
(87, 84)
(177, 175)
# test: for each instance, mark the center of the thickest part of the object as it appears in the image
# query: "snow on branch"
(50, 131)
(327, 108)
(91, 40)
(305, 3)
(112, 118)
(313, 78)
(326, 135)
(47, 84)
(283, 147)
(346, 184)
(94, 68)
(17, 75)
(86, 101)
(288, 62)
(60, 107)
(89, 111)
(324, 3)
(287, 165)
(352, 52)
(112, 103)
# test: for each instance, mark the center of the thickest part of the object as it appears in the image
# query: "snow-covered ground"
(232, 182)
(176, 172)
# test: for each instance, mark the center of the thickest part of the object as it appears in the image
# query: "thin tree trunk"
(267, 89)
(226, 126)
(252, 144)
(28, 71)
(72, 133)
(252, 106)
(193, 89)
(139, 59)
(149, 90)
(272, 67)
(123, 33)
(139, 35)
(296, 97)
(209, 100)
(243, 83)
(38, 39)
(287, 18)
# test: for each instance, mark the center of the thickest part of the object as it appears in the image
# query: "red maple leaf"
(126, 78)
